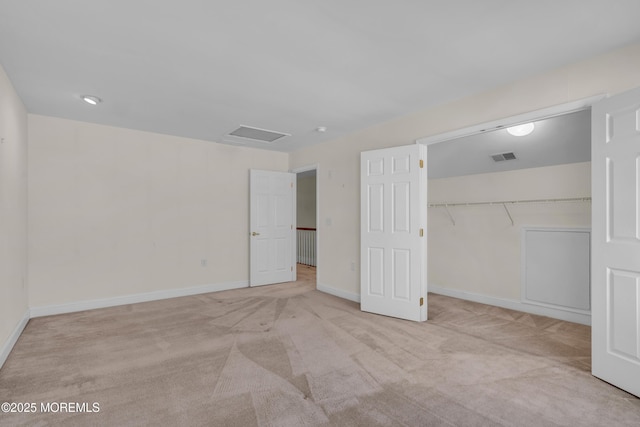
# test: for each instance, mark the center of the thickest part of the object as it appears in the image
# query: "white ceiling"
(200, 69)
(554, 141)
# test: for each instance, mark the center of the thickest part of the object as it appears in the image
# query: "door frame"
(306, 168)
(556, 110)
(531, 116)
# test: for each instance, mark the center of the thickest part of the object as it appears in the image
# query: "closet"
(509, 217)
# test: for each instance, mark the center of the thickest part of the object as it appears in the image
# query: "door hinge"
(292, 268)
(292, 226)
(421, 301)
(291, 184)
(422, 232)
(421, 163)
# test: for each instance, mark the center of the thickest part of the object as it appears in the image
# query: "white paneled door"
(272, 227)
(393, 208)
(616, 241)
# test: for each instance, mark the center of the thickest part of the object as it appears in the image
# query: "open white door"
(393, 248)
(272, 227)
(615, 242)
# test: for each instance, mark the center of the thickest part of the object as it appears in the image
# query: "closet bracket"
(453, 221)
(506, 209)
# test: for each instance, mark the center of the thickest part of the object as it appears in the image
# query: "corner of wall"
(11, 341)
(13, 228)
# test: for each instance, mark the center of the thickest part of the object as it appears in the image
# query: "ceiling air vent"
(255, 134)
(503, 156)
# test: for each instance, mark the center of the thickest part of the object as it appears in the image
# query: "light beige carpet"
(288, 355)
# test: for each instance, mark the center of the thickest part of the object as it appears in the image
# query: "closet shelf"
(504, 204)
(510, 202)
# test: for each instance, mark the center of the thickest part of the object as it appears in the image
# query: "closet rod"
(504, 202)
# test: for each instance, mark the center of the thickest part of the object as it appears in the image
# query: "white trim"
(294, 227)
(568, 316)
(544, 113)
(523, 266)
(49, 310)
(13, 338)
(306, 168)
(338, 292)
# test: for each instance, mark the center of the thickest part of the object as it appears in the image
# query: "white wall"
(339, 159)
(480, 254)
(306, 201)
(13, 215)
(116, 212)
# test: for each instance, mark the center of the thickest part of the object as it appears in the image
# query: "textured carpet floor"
(288, 355)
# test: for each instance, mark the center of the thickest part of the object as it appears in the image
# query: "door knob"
(255, 234)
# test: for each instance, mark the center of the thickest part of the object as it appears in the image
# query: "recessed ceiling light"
(90, 99)
(521, 130)
(321, 129)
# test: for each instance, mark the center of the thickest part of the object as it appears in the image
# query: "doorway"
(486, 186)
(614, 352)
(307, 235)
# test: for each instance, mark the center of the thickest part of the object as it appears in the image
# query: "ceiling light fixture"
(521, 130)
(90, 99)
(321, 129)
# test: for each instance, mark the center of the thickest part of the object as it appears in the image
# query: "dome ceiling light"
(521, 130)
(92, 100)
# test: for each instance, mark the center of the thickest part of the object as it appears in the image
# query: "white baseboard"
(49, 310)
(569, 316)
(13, 338)
(338, 292)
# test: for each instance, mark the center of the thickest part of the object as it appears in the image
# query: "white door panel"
(616, 241)
(393, 248)
(271, 227)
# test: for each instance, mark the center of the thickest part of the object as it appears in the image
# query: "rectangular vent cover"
(256, 134)
(503, 156)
